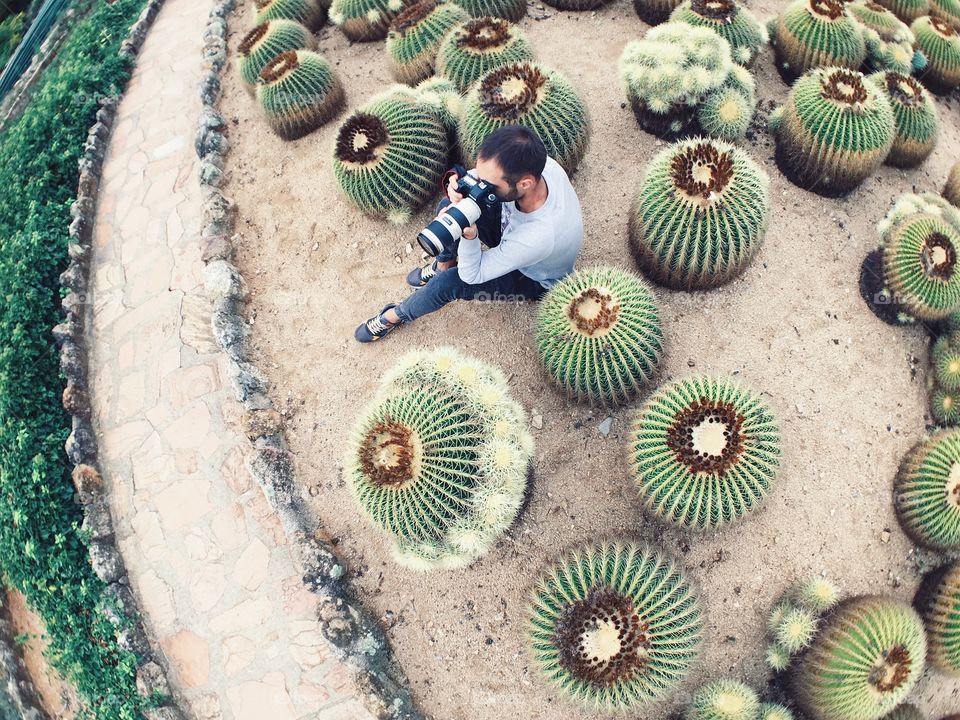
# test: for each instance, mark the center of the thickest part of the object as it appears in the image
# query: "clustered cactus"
(512, 10)
(440, 458)
(939, 603)
(264, 42)
(681, 78)
(731, 21)
(927, 491)
(863, 662)
(298, 92)
(390, 155)
(415, 36)
(704, 452)
(940, 43)
(794, 619)
(614, 625)
(907, 10)
(889, 41)
(834, 131)
(525, 93)
(599, 335)
(817, 33)
(311, 13)
(365, 20)
(724, 700)
(477, 46)
(915, 118)
(699, 215)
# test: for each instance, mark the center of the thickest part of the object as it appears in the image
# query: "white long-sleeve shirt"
(542, 244)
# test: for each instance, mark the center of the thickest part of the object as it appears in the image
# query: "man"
(533, 240)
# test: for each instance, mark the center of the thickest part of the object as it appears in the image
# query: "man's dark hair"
(517, 150)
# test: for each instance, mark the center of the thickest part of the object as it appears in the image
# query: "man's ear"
(526, 182)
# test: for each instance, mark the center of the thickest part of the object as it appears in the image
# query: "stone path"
(208, 560)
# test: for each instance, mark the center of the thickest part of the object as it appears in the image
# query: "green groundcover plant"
(42, 551)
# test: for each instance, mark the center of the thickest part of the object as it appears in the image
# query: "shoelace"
(428, 272)
(376, 326)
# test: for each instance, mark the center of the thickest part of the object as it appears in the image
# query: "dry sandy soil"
(848, 389)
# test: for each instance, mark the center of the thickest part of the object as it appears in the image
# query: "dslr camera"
(478, 196)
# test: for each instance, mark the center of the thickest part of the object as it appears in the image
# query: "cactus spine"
(940, 43)
(915, 118)
(817, 33)
(477, 46)
(731, 21)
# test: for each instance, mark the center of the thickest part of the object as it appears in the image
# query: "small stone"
(885, 536)
(167, 712)
(316, 246)
(81, 445)
(215, 247)
(210, 174)
(65, 332)
(97, 521)
(605, 425)
(247, 380)
(408, 249)
(218, 210)
(151, 680)
(106, 562)
(88, 483)
(230, 332)
(261, 423)
(537, 422)
(72, 363)
(123, 605)
(223, 280)
(134, 639)
(76, 401)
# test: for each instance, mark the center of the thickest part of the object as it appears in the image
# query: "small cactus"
(390, 155)
(906, 10)
(779, 611)
(951, 189)
(474, 47)
(599, 335)
(946, 10)
(816, 595)
(778, 659)
(440, 458)
(654, 12)
(724, 700)
(681, 78)
(264, 42)
(704, 452)
(835, 130)
(310, 13)
(927, 491)
(614, 625)
(775, 711)
(945, 407)
(864, 661)
(940, 43)
(915, 118)
(817, 33)
(889, 41)
(365, 20)
(415, 36)
(946, 364)
(905, 712)
(512, 10)
(941, 615)
(528, 94)
(699, 215)
(796, 630)
(298, 92)
(731, 21)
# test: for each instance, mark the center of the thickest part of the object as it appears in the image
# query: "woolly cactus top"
(282, 65)
(903, 89)
(722, 10)
(361, 138)
(826, 9)
(482, 34)
(412, 16)
(507, 92)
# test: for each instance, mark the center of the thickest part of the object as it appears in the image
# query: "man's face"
(490, 171)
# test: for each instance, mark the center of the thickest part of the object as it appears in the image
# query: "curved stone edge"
(18, 686)
(357, 639)
(81, 446)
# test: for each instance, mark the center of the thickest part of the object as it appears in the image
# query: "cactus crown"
(593, 312)
(483, 34)
(412, 15)
(844, 87)
(706, 436)
(938, 257)
(942, 27)
(282, 64)
(360, 138)
(826, 9)
(509, 91)
(701, 172)
(252, 38)
(261, 4)
(904, 89)
(714, 9)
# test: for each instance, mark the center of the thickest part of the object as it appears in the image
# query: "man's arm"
(516, 251)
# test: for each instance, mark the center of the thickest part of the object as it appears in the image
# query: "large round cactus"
(940, 43)
(512, 10)
(906, 10)
(699, 214)
(614, 626)
(311, 13)
(863, 662)
(390, 155)
(473, 48)
(889, 41)
(915, 118)
(731, 21)
(415, 36)
(920, 266)
(265, 42)
(951, 188)
(946, 10)
(834, 131)
(941, 614)
(442, 96)
(654, 12)
(576, 4)
(440, 459)
(724, 700)
(298, 92)
(927, 492)
(599, 335)
(525, 93)
(681, 79)
(817, 33)
(704, 452)
(365, 20)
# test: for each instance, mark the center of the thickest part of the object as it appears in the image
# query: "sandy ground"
(847, 388)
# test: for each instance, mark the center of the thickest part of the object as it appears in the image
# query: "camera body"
(478, 196)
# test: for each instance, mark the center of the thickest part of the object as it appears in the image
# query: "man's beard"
(510, 196)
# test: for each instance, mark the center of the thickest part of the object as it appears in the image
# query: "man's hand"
(470, 233)
(452, 193)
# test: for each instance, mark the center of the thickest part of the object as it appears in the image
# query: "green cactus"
(415, 36)
(731, 21)
(704, 452)
(946, 10)
(512, 10)
(265, 42)
(915, 118)
(599, 335)
(681, 78)
(775, 711)
(442, 96)
(699, 215)
(439, 460)
(941, 615)
(576, 5)
(817, 33)
(927, 491)
(777, 658)
(940, 43)
(889, 41)
(951, 189)
(779, 611)
(945, 407)
(946, 364)
(904, 712)
(525, 93)
(614, 625)
(864, 661)
(390, 155)
(298, 92)
(311, 13)
(724, 700)
(654, 12)
(816, 595)
(796, 630)
(907, 10)
(365, 20)
(835, 130)
(473, 48)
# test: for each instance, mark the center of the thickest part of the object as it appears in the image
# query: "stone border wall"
(81, 447)
(355, 636)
